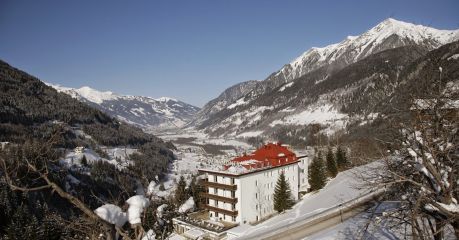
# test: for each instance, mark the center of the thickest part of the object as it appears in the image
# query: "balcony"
(219, 185)
(219, 198)
(219, 210)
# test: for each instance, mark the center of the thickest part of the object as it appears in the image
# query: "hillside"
(330, 89)
(143, 112)
(40, 129)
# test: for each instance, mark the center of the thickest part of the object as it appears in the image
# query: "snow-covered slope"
(316, 87)
(223, 100)
(144, 112)
(388, 34)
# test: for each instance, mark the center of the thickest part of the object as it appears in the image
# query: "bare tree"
(423, 174)
(31, 172)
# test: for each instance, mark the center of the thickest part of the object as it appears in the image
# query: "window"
(216, 204)
(232, 181)
(233, 194)
(233, 218)
(215, 190)
(256, 195)
(233, 207)
(256, 182)
(215, 178)
(216, 214)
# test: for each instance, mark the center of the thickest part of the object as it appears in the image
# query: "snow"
(239, 102)
(95, 96)
(237, 169)
(358, 47)
(112, 214)
(452, 207)
(175, 236)
(166, 99)
(223, 142)
(321, 114)
(150, 235)
(160, 210)
(136, 206)
(194, 234)
(286, 86)
(455, 57)
(187, 206)
(250, 134)
(72, 159)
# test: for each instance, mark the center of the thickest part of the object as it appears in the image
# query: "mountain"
(332, 86)
(144, 112)
(40, 130)
(227, 97)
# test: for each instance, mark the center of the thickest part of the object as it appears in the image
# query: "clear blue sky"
(190, 50)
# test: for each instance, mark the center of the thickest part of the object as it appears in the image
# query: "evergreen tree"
(180, 193)
(317, 176)
(84, 161)
(341, 159)
(195, 191)
(332, 169)
(282, 195)
(161, 187)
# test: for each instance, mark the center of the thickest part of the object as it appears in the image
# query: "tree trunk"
(111, 232)
(438, 230)
(456, 228)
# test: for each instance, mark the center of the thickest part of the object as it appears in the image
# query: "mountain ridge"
(319, 65)
(145, 112)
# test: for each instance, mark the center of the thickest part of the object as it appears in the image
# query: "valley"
(355, 139)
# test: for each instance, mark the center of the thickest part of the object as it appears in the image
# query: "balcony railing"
(219, 198)
(219, 185)
(220, 210)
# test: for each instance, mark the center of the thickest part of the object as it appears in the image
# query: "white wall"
(257, 191)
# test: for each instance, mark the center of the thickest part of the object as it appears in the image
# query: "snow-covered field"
(116, 156)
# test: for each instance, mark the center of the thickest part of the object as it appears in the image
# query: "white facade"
(251, 196)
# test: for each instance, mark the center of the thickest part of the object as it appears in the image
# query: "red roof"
(269, 155)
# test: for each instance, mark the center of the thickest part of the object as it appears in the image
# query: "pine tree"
(341, 159)
(332, 169)
(282, 195)
(317, 176)
(195, 191)
(161, 187)
(84, 161)
(180, 193)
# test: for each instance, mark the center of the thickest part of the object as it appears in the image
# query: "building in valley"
(242, 191)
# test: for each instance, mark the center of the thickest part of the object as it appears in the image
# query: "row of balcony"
(219, 185)
(220, 210)
(219, 198)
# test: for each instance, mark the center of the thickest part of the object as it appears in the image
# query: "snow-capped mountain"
(326, 85)
(388, 34)
(144, 112)
(227, 97)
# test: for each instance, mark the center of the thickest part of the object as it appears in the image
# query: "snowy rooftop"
(267, 156)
